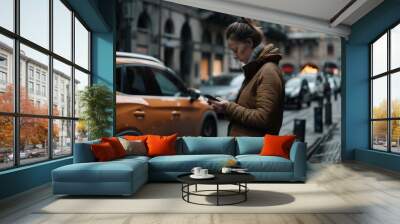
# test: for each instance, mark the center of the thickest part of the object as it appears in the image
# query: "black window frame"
(388, 74)
(16, 115)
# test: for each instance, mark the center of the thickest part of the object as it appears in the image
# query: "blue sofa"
(125, 176)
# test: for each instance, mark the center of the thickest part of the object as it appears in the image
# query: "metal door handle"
(139, 113)
(176, 113)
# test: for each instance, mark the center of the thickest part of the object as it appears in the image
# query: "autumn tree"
(395, 123)
(33, 131)
(380, 127)
(6, 122)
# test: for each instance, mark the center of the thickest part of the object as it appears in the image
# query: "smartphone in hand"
(211, 97)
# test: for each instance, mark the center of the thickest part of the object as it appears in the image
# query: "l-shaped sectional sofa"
(126, 175)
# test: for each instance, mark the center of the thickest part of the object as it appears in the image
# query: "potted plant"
(96, 104)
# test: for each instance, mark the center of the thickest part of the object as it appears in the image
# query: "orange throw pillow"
(277, 145)
(161, 145)
(103, 151)
(116, 145)
(135, 137)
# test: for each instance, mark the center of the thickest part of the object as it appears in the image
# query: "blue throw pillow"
(207, 145)
(249, 145)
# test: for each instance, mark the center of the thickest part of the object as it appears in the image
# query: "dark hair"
(244, 29)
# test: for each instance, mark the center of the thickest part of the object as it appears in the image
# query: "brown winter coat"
(258, 109)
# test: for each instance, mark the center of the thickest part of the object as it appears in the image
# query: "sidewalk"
(329, 151)
(311, 137)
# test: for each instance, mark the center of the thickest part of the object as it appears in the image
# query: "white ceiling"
(324, 9)
(313, 15)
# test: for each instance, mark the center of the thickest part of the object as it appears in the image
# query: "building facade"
(34, 89)
(190, 41)
(306, 47)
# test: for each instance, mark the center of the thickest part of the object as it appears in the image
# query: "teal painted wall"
(99, 15)
(356, 83)
(356, 99)
(91, 13)
(103, 53)
(379, 159)
(24, 178)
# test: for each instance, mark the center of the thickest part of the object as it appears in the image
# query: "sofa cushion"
(134, 147)
(161, 145)
(103, 152)
(206, 145)
(185, 163)
(112, 171)
(277, 145)
(249, 145)
(257, 163)
(116, 145)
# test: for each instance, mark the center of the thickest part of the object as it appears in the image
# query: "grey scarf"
(256, 52)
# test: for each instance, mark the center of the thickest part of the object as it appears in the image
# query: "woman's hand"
(219, 106)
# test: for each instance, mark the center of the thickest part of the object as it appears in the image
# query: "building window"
(30, 87)
(43, 77)
(206, 38)
(385, 97)
(81, 45)
(44, 91)
(37, 75)
(144, 21)
(308, 50)
(220, 40)
(53, 126)
(169, 27)
(3, 61)
(30, 73)
(38, 89)
(3, 78)
(3, 72)
(330, 49)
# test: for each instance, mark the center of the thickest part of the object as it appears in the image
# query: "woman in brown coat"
(258, 108)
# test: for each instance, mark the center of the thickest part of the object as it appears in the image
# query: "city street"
(332, 142)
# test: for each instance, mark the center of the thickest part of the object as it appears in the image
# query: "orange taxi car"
(151, 99)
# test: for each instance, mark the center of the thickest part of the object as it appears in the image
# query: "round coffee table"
(238, 179)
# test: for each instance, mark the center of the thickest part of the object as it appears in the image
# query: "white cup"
(203, 172)
(226, 170)
(196, 171)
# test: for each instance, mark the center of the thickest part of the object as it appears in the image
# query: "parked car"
(297, 92)
(225, 86)
(316, 84)
(152, 99)
(24, 154)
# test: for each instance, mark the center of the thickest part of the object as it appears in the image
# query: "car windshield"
(221, 80)
(295, 82)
